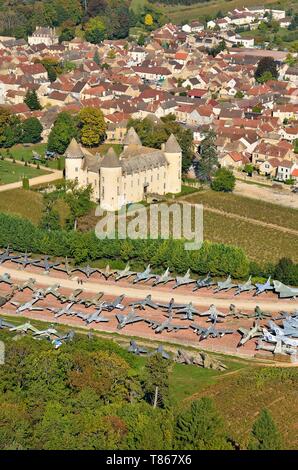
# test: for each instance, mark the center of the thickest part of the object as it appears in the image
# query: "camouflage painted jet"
(159, 327)
(73, 297)
(188, 312)
(225, 285)
(142, 304)
(235, 313)
(24, 261)
(135, 349)
(6, 298)
(21, 307)
(45, 333)
(254, 332)
(6, 278)
(211, 331)
(144, 276)
(284, 291)
(87, 270)
(92, 300)
(6, 256)
(124, 273)
(45, 264)
(183, 280)
(163, 278)
(66, 268)
(109, 306)
(204, 282)
(277, 348)
(93, 317)
(30, 284)
(260, 288)
(124, 320)
(53, 290)
(107, 272)
(24, 328)
(259, 315)
(246, 287)
(213, 314)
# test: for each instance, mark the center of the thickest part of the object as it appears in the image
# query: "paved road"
(111, 288)
(282, 197)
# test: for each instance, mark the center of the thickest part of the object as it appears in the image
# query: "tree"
(64, 129)
(95, 30)
(10, 128)
(208, 161)
(249, 168)
(92, 126)
(266, 64)
(200, 428)
(32, 130)
(141, 40)
(264, 434)
(224, 180)
(78, 201)
(239, 94)
(67, 34)
(32, 101)
(156, 381)
(286, 271)
(148, 20)
(96, 57)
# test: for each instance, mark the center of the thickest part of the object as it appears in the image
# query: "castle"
(137, 172)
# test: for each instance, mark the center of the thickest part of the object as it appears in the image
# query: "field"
(12, 172)
(24, 152)
(24, 203)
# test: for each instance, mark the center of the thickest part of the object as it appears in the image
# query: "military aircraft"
(5, 324)
(73, 297)
(21, 307)
(5, 256)
(87, 270)
(225, 285)
(57, 342)
(213, 314)
(158, 326)
(30, 284)
(183, 280)
(284, 291)
(124, 320)
(114, 304)
(59, 311)
(204, 282)
(144, 276)
(163, 278)
(259, 315)
(107, 272)
(45, 264)
(6, 298)
(248, 286)
(45, 333)
(160, 350)
(290, 329)
(124, 273)
(24, 261)
(260, 288)
(212, 331)
(66, 268)
(171, 305)
(24, 328)
(6, 278)
(277, 348)
(235, 313)
(270, 338)
(53, 290)
(188, 312)
(93, 317)
(92, 300)
(254, 332)
(142, 304)
(135, 349)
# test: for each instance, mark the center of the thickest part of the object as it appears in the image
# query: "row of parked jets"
(283, 291)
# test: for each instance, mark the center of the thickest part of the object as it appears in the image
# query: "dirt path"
(282, 197)
(53, 175)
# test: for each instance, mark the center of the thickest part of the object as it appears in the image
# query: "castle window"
(77, 169)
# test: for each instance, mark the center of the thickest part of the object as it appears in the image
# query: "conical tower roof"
(110, 160)
(172, 145)
(74, 150)
(132, 138)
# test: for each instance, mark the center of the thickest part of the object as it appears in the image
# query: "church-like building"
(128, 178)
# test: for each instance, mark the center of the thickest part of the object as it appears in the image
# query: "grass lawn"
(24, 203)
(11, 172)
(21, 151)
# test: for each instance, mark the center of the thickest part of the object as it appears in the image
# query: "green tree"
(95, 30)
(32, 130)
(249, 168)
(92, 126)
(266, 64)
(264, 434)
(32, 101)
(25, 183)
(286, 271)
(64, 129)
(156, 381)
(208, 161)
(141, 40)
(96, 57)
(224, 180)
(200, 428)
(67, 34)
(10, 128)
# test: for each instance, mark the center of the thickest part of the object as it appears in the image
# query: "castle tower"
(111, 197)
(173, 154)
(73, 161)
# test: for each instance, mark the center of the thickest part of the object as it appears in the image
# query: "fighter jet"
(290, 329)
(235, 313)
(92, 300)
(45, 264)
(160, 350)
(144, 276)
(5, 324)
(213, 314)
(284, 291)
(21, 307)
(225, 285)
(6, 278)
(163, 278)
(204, 282)
(158, 327)
(66, 268)
(73, 297)
(107, 272)
(58, 312)
(5, 256)
(254, 332)
(147, 302)
(124, 320)
(45, 333)
(171, 305)
(277, 348)
(124, 273)
(53, 290)
(93, 317)
(183, 280)
(246, 287)
(270, 338)
(27, 285)
(259, 315)
(260, 288)
(87, 270)
(211, 331)
(24, 328)
(188, 312)
(6, 298)
(57, 342)
(24, 261)
(114, 304)
(135, 349)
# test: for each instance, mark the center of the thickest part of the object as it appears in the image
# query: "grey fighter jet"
(135, 349)
(45, 333)
(66, 268)
(142, 304)
(284, 291)
(87, 270)
(21, 307)
(124, 320)
(124, 273)
(160, 350)
(109, 306)
(248, 286)
(53, 290)
(6, 278)
(93, 317)
(163, 278)
(5, 324)
(6, 256)
(25, 260)
(213, 313)
(158, 326)
(260, 288)
(92, 300)
(59, 311)
(183, 280)
(30, 284)
(73, 297)
(211, 331)
(270, 338)
(24, 328)
(144, 276)
(107, 272)
(277, 348)
(225, 285)
(254, 332)
(45, 264)
(171, 305)
(188, 312)
(204, 282)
